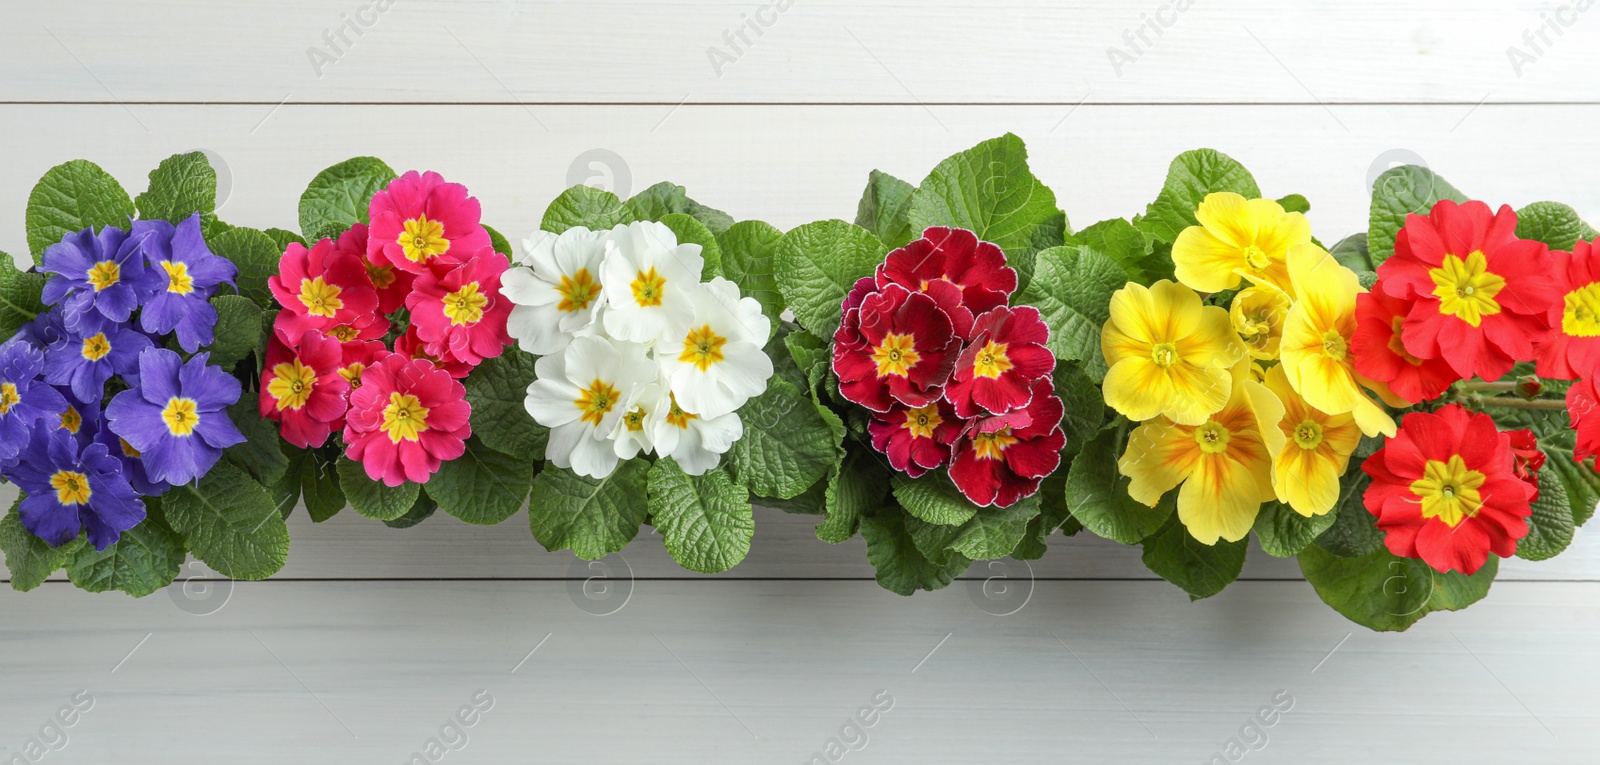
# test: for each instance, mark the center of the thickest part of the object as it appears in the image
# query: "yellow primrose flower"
(1257, 314)
(1315, 352)
(1238, 237)
(1316, 450)
(1224, 463)
(1168, 354)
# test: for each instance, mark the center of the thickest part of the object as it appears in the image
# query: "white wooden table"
(372, 640)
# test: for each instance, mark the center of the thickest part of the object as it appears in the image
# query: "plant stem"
(1488, 387)
(1544, 404)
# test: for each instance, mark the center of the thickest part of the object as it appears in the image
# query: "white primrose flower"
(713, 362)
(556, 288)
(695, 443)
(633, 434)
(648, 280)
(579, 395)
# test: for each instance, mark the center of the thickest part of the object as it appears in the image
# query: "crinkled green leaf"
(786, 447)
(237, 331)
(482, 486)
(146, 559)
(585, 206)
(899, 566)
(885, 209)
(420, 511)
(311, 476)
(663, 199)
(1283, 533)
(592, 517)
(496, 390)
(71, 197)
(856, 490)
(990, 191)
(230, 522)
(1130, 247)
(748, 249)
(705, 521)
(282, 237)
(995, 531)
(817, 264)
(374, 499)
(341, 195)
(1084, 410)
(1072, 289)
(691, 231)
(1550, 528)
(20, 300)
(1455, 590)
(1097, 493)
(261, 453)
(1380, 591)
(182, 185)
(500, 243)
(1351, 252)
(256, 256)
(1553, 223)
(30, 560)
(1053, 516)
(1354, 532)
(1294, 203)
(933, 498)
(1402, 191)
(1201, 570)
(1191, 176)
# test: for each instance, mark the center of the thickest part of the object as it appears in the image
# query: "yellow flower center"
(422, 239)
(320, 298)
(1581, 318)
(634, 419)
(577, 291)
(291, 384)
(1466, 288)
(404, 418)
(71, 420)
(991, 361)
(178, 279)
(128, 450)
(96, 347)
(1308, 435)
(71, 488)
(1334, 345)
(1212, 437)
(1448, 490)
(677, 417)
(1397, 347)
(922, 422)
(992, 446)
(598, 401)
(1164, 354)
(896, 355)
(344, 333)
(702, 347)
(180, 416)
(8, 397)
(648, 288)
(1256, 258)
(381, 276)
(104, 274)
(352, 374)
(465, 305)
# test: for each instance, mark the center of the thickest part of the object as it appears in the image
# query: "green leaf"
(1097, 493)
(341, 195)
(482, 487)
(182, 185)
(261, 453)
(146, 559)
(282, 238)
(1295, 203)
(933, 498)
(1455, 590)
(786, 446)
(1283, 533)
(748, 249)
(1201, 570)
(374, 499)
(585, 206)
(817, 264)
(1128, 246)
(691, 231)
(593, 517)
(230, 522)
(1551, 526)
(256, 256)
(663, 199)
(1072, 289)
(30, 560)
(995, 531)
(900, 567)
(420, 511)
(72, 197)
(854, 491)
(990, 191)
(885, 209)
(1553, 223)
(1351, 252)
(238, 330)
(1381, 591)
(706, 521)
(1053, 516)
(1084, 410)
(20, 300)
(1557, 439)
(496, 390)
(1354, 533)
(1191, 176)
(500, 243)
(310, 476)
(1402, 191)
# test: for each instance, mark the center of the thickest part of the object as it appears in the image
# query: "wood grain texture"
(740, 672)
(1031, 51)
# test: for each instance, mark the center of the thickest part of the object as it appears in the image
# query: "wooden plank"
(712, 672)
(789, 165)
(1027, 51)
